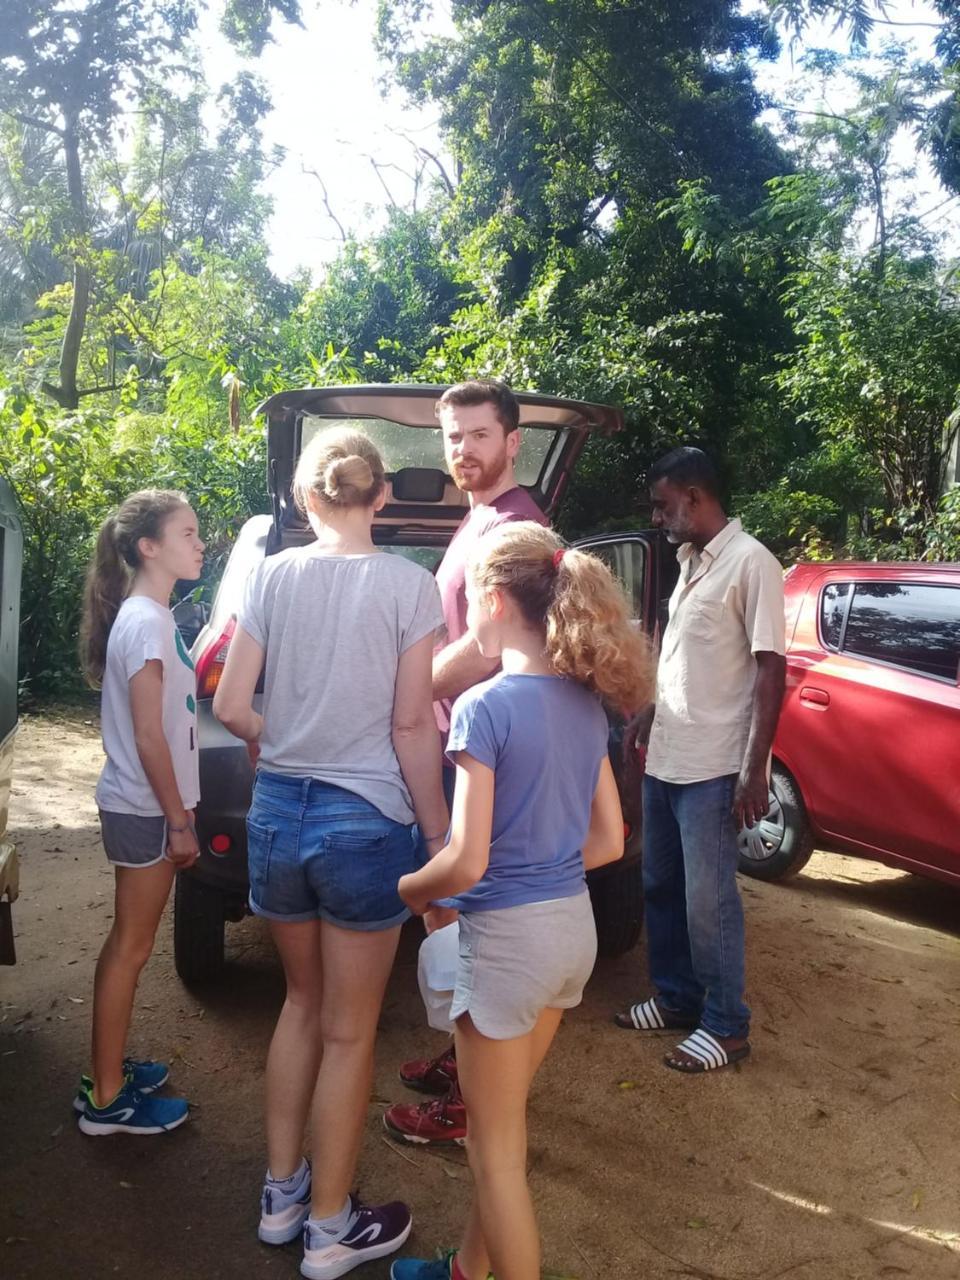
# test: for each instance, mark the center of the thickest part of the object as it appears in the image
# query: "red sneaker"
(431, 1075)
(441, 1121)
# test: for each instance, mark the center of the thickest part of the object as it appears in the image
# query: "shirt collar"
(716, 543)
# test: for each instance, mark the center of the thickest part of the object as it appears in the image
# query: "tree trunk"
(67, 394)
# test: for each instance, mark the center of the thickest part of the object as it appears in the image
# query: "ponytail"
(116, 558)
(574, 597)
(591, 638)
(108, 581)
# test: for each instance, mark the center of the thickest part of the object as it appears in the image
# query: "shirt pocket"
(703, 618)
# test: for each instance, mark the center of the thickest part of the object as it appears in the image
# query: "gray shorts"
(517, 961)
(131, 840)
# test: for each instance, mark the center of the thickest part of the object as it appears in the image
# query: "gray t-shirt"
(334, 628)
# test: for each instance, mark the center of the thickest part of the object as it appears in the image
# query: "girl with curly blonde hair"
(535, 806)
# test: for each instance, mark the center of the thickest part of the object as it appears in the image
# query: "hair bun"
(345, 479)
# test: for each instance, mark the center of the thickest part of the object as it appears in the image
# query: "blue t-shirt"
(545, 738)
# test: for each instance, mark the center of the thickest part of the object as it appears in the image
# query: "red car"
(867, 751)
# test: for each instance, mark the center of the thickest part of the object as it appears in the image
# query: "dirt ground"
(831, 1155)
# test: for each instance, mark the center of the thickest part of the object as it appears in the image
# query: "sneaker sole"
(95, 1130)
(419, 1086)
(352, 1257)
(80, 1102)
(419, 1141)
(284, 1234)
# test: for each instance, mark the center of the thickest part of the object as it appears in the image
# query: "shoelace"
(436, 1109)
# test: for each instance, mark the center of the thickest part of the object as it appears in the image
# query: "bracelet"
(177, 830)
(441, 835)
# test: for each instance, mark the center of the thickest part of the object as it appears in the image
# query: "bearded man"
(480, 420)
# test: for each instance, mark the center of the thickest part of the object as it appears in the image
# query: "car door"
(11, 560)
(646, 567)
(873, 727)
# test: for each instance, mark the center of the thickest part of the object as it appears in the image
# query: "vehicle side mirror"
(191, 617)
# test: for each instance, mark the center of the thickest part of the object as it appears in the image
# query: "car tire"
(781, 844)
(198, 922)
(617, 899)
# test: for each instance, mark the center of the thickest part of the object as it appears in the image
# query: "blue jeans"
(692, 907)
(317, 851)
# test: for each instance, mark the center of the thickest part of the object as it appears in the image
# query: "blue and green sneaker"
(132, 1112)
(423, 1269)
(146, 1077)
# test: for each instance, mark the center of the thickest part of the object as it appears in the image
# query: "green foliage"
(69, 470)
(615, 226)
(786, 519)
(66, 472)
(877, 364)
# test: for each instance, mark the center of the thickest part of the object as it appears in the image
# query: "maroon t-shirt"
(515, 504)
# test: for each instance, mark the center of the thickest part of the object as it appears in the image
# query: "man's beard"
(483, 478)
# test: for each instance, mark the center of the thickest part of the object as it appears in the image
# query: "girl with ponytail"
(535, 806)
(149, 784)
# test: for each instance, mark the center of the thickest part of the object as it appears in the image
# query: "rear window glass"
(627, 561)
(911, 624)
(402, 446)
(833, 606)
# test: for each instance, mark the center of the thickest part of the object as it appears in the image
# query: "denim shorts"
(316, 851)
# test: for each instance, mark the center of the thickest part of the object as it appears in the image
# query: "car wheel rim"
(764, 840)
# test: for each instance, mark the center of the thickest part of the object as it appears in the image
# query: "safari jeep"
(423, 510)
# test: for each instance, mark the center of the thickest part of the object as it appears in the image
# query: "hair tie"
(558, 556)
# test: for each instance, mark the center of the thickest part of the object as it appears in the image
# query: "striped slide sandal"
(649, 1016)
(706, 1054)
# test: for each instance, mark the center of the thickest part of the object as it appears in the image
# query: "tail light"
(210, 663)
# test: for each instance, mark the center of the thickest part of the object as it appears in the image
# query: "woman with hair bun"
(534, 806)
(349, 756)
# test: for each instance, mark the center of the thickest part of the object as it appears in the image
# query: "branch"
(63, 398)
(435, 160)
(597, 211)
(326, 200)
(441, 170)
(34, 123)
(376, 169)
(96, 391)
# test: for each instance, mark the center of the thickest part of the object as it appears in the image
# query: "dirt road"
(832, 1155)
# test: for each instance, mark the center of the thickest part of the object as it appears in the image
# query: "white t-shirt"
(144, 630)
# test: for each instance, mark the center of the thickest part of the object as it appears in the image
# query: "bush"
(786, 520)
(69, 470)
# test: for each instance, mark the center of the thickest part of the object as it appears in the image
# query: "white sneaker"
(282, 1217)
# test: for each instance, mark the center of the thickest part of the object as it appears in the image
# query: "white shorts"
(517, 961)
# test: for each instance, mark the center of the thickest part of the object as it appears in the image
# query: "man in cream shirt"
(720, 684)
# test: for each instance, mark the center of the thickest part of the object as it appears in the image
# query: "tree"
(65, 74)
(69, 74)
(937, 118)
(571, 122)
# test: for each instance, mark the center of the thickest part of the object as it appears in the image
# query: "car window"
(402, 446)
(427, 557)
(627, 562)
(833, 608)
(909, 624)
